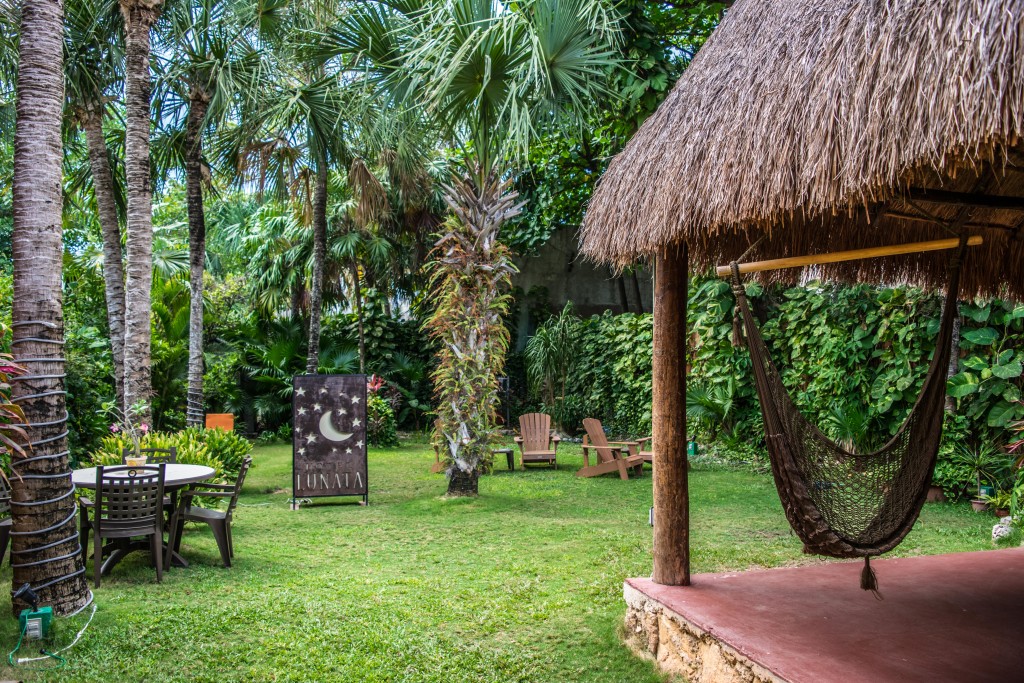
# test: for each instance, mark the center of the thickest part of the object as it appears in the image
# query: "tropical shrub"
(380, 422)
(551, 356)
(228, 448)
(221, 450)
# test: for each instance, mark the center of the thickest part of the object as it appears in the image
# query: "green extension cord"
(13, 662)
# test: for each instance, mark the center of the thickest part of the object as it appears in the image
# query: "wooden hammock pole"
(852, 255)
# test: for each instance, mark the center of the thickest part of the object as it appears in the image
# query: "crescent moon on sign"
(328, 430)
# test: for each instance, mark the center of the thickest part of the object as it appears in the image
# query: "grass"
(523, 583)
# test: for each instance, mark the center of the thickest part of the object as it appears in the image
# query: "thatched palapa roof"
(834, 124)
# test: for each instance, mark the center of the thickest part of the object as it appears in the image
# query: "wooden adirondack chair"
(609, 453)
(536, 444)
(648, 454)
(438, 466)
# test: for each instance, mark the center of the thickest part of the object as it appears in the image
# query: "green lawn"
(521, 584)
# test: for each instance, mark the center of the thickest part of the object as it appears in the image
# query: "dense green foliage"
(853, 358)
(395, 587)
(657, 41)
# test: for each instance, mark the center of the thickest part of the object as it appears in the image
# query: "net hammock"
(843, 504)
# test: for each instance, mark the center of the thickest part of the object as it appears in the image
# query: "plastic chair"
(129, 503)
(218, 520)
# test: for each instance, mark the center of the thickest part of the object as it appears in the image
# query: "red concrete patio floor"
(942, 618)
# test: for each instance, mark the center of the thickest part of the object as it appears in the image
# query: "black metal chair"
(219, 520)
(6, 522)
(154, 456)
(129, 504)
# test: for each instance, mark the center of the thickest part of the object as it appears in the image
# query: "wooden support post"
(671, 494)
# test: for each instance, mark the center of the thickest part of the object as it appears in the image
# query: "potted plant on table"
(126, 424)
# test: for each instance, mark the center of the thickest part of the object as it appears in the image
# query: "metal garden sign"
(329, 436)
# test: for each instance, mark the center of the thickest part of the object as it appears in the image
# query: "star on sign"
(342, 411)
(334, 450)
(302, 411)
(302, 451)
(359, 444)
(355, 399)
(317, 407)
(323, 390)
(311, 438)
(355, 422)
(301, 391)
(341, 394)
(348, 450)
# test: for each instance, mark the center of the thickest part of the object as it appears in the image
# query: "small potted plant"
(999, 502)
(127, 423)
(985, 463)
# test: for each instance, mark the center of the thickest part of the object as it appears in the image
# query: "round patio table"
(176, 476)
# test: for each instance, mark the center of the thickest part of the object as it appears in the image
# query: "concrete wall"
(567, 276)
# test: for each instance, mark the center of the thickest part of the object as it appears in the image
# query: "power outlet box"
(36, 622)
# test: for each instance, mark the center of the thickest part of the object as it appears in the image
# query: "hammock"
(843, 504)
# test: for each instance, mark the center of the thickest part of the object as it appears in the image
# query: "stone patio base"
(653, 631)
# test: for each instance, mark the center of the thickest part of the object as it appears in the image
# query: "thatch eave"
(819, 126)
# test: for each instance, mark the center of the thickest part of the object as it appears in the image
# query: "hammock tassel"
(737, 329)
(737, 315)
(868, 580)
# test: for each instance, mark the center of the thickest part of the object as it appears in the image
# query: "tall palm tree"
(93, 49)
(290, 139)
(206, 63)
(139, 17)
(44, 537)
(492, 75)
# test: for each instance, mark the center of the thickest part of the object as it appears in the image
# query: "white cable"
(78, 637)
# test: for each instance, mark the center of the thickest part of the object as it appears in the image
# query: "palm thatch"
(819, 125)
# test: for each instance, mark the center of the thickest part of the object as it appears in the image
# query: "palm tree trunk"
(319, 256)
(474, 271)
(55, 572)
(196, 252)
(359, 316)
(110, 228)
(297, 304)
(139, 16)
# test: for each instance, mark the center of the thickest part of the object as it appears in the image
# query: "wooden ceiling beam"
(927, 219)
(972, 199)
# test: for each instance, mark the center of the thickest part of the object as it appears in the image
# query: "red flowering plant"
(381, 429)
(375, 384)
(13, 438)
